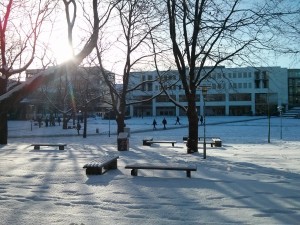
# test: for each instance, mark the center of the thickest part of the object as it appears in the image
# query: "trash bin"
(218, 142)
(123, 142)
(127, 130)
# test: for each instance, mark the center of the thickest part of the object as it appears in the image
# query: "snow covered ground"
(246, 181)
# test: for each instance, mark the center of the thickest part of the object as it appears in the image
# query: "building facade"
(68, 93)
(294, 87)
(234, 91)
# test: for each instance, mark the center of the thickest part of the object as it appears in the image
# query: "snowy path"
(246, 181)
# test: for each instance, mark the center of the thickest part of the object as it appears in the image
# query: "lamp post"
(280, 113)
(31, 115)
(204, 89)
(109, 115)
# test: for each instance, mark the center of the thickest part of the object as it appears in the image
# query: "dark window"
(240, 97)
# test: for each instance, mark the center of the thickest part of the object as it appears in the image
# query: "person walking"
(78, 127)
(46, 121)
(177, 121)
(58, 120)
(164, 122)
(201, 119)
(154, 124)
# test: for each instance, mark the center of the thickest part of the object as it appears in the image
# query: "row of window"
(231, 75)
(210, 97)
(219, 86)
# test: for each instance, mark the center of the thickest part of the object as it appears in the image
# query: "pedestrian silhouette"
(201, 119)
(154, 124)
(164, 122)
(177, 121)
(58, 120)
(78, 127)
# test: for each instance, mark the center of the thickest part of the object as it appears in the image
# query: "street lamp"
(280, 112)
(204, 89)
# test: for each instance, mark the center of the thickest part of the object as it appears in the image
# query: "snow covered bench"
(98, 167)
(149, 166)
(212, 141)
(150, 142)
(217, 142)
(37, 146)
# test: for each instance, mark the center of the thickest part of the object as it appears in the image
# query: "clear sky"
(61, 51)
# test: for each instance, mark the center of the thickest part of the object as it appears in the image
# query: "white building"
(234, 91)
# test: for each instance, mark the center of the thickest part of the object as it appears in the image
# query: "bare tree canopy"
(16, 56)
(136, 21)
(211, 33)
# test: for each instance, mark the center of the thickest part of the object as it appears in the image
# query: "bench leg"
(93, 170)
(173, 144)
(112, 165)
(36, 147)
(134, 172)
(61, 147)
(188, 173)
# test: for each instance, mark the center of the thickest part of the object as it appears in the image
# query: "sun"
(62, 52)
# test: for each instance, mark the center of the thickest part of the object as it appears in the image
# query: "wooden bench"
(213, 141)
(135, 167)
(38, 145)
(149, 143)
(98, 167)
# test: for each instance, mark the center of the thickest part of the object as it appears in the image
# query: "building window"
(149, 86)
(265, 83)
(265, 75)
(216, 97)
(182, 98)
(240, 97)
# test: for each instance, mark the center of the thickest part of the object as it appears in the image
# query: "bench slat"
(38, 145)
(146, 142)
(161, 167)
(101, 162)
(97, 166)
(134, 168)
(48, 144)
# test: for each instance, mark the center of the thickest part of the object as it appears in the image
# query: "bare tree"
(137, 20)
(18, 38)
(208, 33)
(10, 97)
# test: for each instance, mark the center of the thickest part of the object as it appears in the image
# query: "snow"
(246, 181)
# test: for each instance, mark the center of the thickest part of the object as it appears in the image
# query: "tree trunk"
(192, 142)
(65, 122)
(3, 115)
(84, 122)
(3, 127)
(120, 122)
